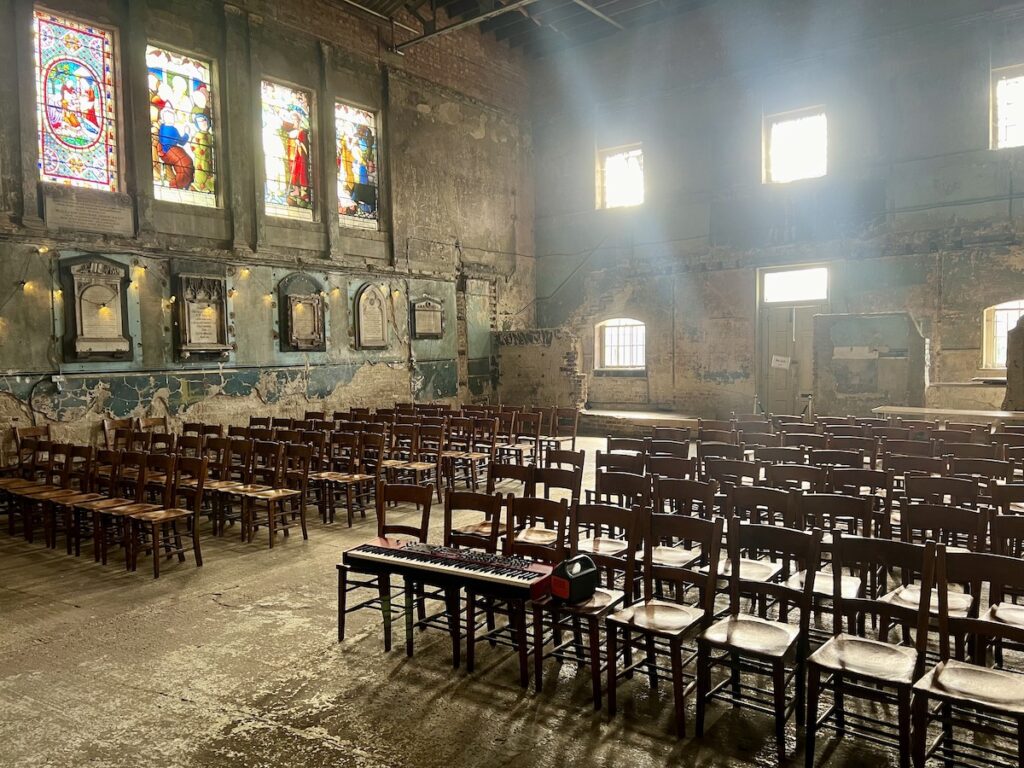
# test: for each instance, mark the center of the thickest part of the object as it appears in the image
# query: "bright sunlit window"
(1008, 107)
(796, 146)
(621, 343)
(791, 286)
(999, 321)
(620, 177)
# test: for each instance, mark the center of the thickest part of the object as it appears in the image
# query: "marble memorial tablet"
(306, 322)
(202, 315)
(371, 318)
(99, 310)
(427, 317)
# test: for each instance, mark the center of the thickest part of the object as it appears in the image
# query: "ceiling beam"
(591, 9)
(472, 21)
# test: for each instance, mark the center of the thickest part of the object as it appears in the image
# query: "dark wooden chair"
(622, 489)
(634, 463)
(907, 447)
(840, 431)
(672, 467)
(164, 529)
(953, 526)
(658, 626)
(969, 694)
(677, 434)
(758, 504)
(876, 484)
(950, 491)
(625, 444)
(796, 476)
(500, 473)
(781, 455)
(743, 642)
(728, 472)
(668, 448)
(760, 439)
(278, 506)
(693, 498)
(853, 663)
(791, 439)
(834, 457)
(479, 534)
(547, 479)
(613, 536)
(714, 450)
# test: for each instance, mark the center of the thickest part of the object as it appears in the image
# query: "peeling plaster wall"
(456, 199)
(917, 214)
(540, 367)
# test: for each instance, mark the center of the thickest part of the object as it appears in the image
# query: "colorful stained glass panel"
(181, 128)
(356, 134)
(77, 107)
(287, 138)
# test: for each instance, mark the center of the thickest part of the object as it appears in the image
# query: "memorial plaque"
(88, 211)
(427, 319)
(99, 310)
(202, 320)
(305, 322)
(371, 318)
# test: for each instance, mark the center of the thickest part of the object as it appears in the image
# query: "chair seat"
(15, 482)
(981, 686)
(824, 584)
(244, 489)
(761, 637)
(1005, 613)
(131, 510)
(910, 596)
(476, 455)
(537, 535)
(43, 492)
(453, 454)
(273, 494)
(156, 479)
(189, 482)
(482, 528)
(750, 570)
(603, 545)
(420, 466)
(74, 501)
(673, 556)
(868, 658)
(392, 463)
(601, 602)
(105, 504)
(222, 485)
(165, 515)
(659, 616)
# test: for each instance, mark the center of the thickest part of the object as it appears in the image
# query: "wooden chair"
(760, 439)
(979, 432)
(875, 484)
(845, 430)
(865, 445)
(111, 425)
(721, 425)
(96, 487)
(614, 535)
(259, 422)
(1007, 498)
(657, 626)
(152, 424)
(562, 433)
(625, 444)
(951, 491)
(692, 498)
(555, 478)
(667, 448)
(831, 457)
(127, 488)
(345, 473)
(920, 429)
(706, 451)
(907, 447)
(480, 534)
(781, 455)
(796, 476)
(677, 434)
(804, 440)
(953, 526)
(744, 642)
(752, 426)
(852, 663)
(270, 506)
(164, 528)
(970, 450)
(970, 694)
(889, 433)
(727, 472)
(524, 475)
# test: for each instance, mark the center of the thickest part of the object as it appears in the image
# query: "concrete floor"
(236, 664)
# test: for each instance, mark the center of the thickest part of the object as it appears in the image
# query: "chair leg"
(302, 519)
(538, 646)
(903, 713)
(196, 549)
(919, 729)
(813, 689)
(678, 686)
(703, 684)
(611, 634)
(779, 691)
(840, 700)
(156, 535)
(594, 631)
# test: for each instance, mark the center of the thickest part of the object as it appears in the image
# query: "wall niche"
(301, 317)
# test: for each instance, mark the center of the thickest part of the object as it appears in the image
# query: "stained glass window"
(286, 151)
(356, 134)
(77, 106)
(181, 128)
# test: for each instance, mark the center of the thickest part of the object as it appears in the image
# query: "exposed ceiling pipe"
(514, 6)
(379, 15)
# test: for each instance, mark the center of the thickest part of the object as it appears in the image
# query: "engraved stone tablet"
(427, 319)
(371, 318)
(65, 208)
(202, 315)
(305, 322)
(99, 309)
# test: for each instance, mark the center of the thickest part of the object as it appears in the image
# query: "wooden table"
(955, 414)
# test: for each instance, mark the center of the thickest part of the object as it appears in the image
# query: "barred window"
(622, 343)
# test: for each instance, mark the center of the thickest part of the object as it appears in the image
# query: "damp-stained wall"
(916, 213)
(455, 203)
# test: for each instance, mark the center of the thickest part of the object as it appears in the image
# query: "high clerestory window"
(620, 177)
(621, 344)
(796, 146)
(1008, 107)
(999, 321)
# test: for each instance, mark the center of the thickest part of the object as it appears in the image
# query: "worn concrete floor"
(236, 664)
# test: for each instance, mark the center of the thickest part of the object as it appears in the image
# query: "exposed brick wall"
(540, 367)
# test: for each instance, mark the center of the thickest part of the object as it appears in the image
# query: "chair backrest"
(953, 526)
(866, 445)
(196, 470)
(781, 455)
(728, 472)
(570, 480)
(162, 442)
(951, 491)
(871, 422)
(1007, 498)
(983, 470)
(80, 458)
(625, 444)
(868, 558)
(889, 433)
(804, 439)
(877, 483)
(121, 439)
(131, 479)
(105, 482)
(718, 436)
(110, 426)
(758, 504)
(267, 463)
(1006, 535)
(523, 474)
(607, 520)
(831, 457)
(907, 447)
(488, 504)
(760, 439)
(239, 461)
(624, 489)
(754, 426)
(280, 422)
(322, 415)
(919, 428)
(715, 450)
(830, 421)
(907, 465)
(561, 458)
(524, 512)
(620, 462)
(317, 440)
(152, 424)
(667, 448)
(672, 467)
(189, 445)
(792, 550)
(58, 471)
(390, 493)
(831, 512)
(684, 497)
(297, 458)
(693, 534)
(796, 476)
(844, 430)
(677, 434)
(716, 424)
(259, 421)
(162, 465)
(287, 435)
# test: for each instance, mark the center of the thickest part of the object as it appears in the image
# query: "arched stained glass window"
(181, 128)
(77, 103)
